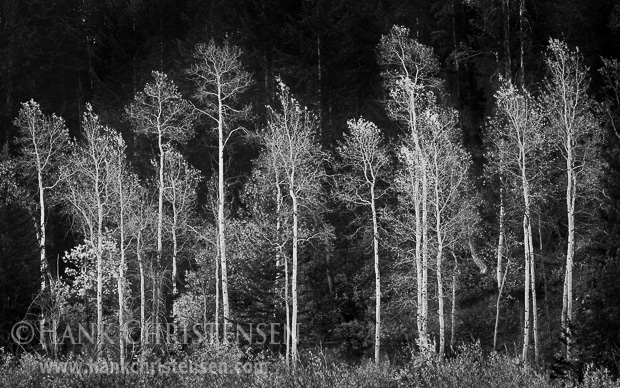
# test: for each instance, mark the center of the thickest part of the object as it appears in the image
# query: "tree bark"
(500, 242)
(175, 290)
(160, 222)
(41, 229)
(526, 320)
(288, 313)
(455, 273)
(217, 297)
(497, 305)
(533, 289)
(425, 255)
(418, 259)
(220, 212)
(99, 265)
(294, 279)
(500, 250)
(121, 274)
(440, 295)
(142, 291)
(567, 299)
(375, 230)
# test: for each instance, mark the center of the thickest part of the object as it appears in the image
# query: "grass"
(471, 368)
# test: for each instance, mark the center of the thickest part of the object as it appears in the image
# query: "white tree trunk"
(424, 256)
(375, 230)
(142, 292)
(567, 300)
(160, 222)
(497, 304)
(418, 260)
(174, 258)
(294, 279)
(530, 247)
(99, 276)
(288, 312)
(500, 243)
(121, 272)
(440, 295)
(41, 232)
(526, 321)
(220, 212)
(501, 275)
(455, 274)
(217, 298)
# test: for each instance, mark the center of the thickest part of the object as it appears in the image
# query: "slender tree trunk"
(529, 259)
(418, 260)
(220, 212)
(217, 297)
(440, 294)
(41, 232)
(175, 249)
(294, 278)
(500, 243)
(526, 321)
(500, 251)
(530, 269)
(99, 271)
(567, 300)
(288, 313)
(533, 289)
(155, 296)
(121, 271)
(497, 305)
(375, 230)
(142, 291)
(160, 226)
(425, 254)
(40, 228)
(418, 171)
(439, 235)
(279, 259)
(455, 274)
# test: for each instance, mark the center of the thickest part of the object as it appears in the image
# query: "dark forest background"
(67, 53)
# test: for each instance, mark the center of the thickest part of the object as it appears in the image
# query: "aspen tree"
(180, 181)
(291, 136)
(448, 168)
(220, 79)
(409, 74)
(364, 160)
(517, 133)
(43, 139)
(160, 110)
(89, 189)
(568, 105)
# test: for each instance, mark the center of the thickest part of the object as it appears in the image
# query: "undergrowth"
(469, 368)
